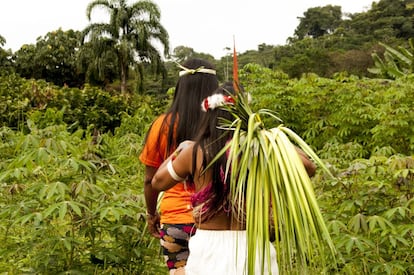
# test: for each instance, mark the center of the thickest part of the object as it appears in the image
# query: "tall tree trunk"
(124, 72)
(140, 84)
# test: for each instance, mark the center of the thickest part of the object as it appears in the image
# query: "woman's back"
(218, 218)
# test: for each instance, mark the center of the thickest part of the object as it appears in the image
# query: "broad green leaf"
(63, 209)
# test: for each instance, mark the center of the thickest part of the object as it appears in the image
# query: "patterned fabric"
(174, 241)
(202, 201)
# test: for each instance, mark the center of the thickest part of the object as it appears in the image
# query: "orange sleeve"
(175, 205)
(154, 151)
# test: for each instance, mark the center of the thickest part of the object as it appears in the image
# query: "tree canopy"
(124, 53)
(53, 58)
(319, 21)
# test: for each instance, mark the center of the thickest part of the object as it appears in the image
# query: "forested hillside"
(326, 42)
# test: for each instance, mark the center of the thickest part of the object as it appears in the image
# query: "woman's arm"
(309, 165)
(151, 196)
(176, 168)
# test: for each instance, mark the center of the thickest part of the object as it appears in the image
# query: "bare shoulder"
(185, 144)
(184, 150)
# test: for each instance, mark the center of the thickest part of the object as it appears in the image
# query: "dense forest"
(76, 105)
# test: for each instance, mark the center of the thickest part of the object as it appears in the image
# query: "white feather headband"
(216, 100)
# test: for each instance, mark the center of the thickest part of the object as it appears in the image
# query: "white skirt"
(223, 252)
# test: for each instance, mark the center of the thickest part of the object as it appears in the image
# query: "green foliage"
(6, 64)
(319, 21)
(327, 42)
(362, 130)
(324, 56)
(89, 107)
(14, 102)
(72, 204)
(385, 19)
(372, 113)
(396, 63)
(53, 59)
(71, 197)
(98, 65)
(370, 208)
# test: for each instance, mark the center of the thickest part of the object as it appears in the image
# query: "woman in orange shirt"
(175, 224)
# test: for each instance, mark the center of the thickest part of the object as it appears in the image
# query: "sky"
(206, 26)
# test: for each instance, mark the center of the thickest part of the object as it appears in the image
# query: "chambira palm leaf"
(269, 185)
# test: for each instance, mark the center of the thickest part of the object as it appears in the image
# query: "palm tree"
(130, 35)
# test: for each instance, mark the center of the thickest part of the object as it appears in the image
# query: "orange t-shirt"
(175, 207)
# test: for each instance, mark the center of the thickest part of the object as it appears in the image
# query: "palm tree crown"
(130, 34)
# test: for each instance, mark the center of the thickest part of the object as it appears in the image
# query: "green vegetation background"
(71, 199)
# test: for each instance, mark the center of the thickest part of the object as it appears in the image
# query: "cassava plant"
(269, 187)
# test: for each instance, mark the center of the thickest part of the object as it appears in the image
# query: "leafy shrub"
(89, 107)
(370, 112)
(71, 195)
(370, 209)
(72, 202)
(362, 128)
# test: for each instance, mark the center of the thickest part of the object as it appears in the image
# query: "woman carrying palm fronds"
(226, 241)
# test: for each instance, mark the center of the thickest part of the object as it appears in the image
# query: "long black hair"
(211, 139)
(184, 115)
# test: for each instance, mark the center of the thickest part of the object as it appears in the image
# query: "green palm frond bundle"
(270, 187)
